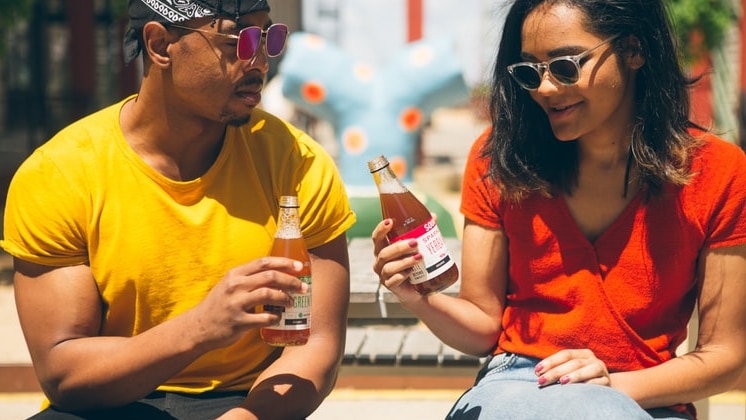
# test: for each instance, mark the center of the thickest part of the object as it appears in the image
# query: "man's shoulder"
(79, 142)
(263, 121)
(265, 128)
(99, 124)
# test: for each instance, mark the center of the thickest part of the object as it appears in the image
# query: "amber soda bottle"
(412, 220)
(295, 323)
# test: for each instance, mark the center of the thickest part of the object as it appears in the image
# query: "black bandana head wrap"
(174, 11)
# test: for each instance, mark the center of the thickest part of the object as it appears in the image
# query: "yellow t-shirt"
(157, 246)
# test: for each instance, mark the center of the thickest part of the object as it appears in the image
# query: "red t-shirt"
(628, 295)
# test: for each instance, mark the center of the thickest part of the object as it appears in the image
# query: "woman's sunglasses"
(565, 69)
(249, 39)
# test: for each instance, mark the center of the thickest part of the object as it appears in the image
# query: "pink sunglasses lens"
(276, 37)
(250, 38)
(248, 41)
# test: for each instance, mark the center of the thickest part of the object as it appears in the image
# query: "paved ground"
(391, 405)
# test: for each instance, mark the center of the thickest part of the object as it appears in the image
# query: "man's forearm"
(295, 384)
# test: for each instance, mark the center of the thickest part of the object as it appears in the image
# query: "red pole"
(82, 55)
(414, 20)
(701, 93)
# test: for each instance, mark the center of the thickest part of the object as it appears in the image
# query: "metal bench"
(381, 332)
(368, 299)
(401, 345)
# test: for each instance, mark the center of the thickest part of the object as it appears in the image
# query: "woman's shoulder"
(718, 169)
(716, 152)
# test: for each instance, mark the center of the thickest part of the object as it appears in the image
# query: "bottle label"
(436, 259)
(299, 316)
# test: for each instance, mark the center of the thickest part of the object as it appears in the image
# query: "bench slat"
(420, 347)
(381, 346)
(453, 357)
(364, 282)
(353, 342)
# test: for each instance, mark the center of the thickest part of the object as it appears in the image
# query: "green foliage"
(119, 8)
(14, 10)
(709, 18)
(11, 12)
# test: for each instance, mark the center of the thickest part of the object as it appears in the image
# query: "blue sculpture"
(374, 112)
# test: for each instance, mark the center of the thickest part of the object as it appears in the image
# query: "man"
(140, 235)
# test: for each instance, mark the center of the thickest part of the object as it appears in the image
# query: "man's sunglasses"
(565, 69)
(249, 39)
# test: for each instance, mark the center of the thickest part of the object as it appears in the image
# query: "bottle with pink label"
(412, 220)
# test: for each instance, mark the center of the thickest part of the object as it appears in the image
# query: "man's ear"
(156, 39)
(634, 56)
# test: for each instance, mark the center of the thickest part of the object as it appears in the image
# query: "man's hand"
(230, 309)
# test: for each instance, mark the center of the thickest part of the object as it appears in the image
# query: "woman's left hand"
(573, 366)
(393, 263)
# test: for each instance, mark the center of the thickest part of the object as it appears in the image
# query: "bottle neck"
(288, 224)
(387, 182)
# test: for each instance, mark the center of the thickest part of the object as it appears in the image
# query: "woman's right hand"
(394, 262)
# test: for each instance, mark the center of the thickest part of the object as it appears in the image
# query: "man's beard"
(235, 120)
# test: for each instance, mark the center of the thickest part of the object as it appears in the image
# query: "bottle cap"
(378, 163)
(289, 201)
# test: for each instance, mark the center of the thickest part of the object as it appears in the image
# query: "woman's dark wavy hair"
(524, 155)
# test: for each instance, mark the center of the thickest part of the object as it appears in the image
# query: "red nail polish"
(539, 368)
(387, 222)
(417, 256)
(564, 380)
(542, 380)
(412, 243)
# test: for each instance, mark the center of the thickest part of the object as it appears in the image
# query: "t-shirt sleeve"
(479, 195)
(45, 215)
(323, 198)
(726, 225)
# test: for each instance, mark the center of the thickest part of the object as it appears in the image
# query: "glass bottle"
(295, 323)
(412, 220)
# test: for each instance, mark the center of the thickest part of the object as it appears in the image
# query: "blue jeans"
(507, 388)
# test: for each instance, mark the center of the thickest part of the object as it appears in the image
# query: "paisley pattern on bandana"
(177, 10)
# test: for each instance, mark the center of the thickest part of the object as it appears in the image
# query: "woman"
(596, 216)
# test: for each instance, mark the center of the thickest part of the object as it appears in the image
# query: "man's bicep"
(55, 304)
(331, 285)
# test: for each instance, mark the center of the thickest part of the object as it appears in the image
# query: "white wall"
(373, 29)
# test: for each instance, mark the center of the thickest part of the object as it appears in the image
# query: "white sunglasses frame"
(544, 66)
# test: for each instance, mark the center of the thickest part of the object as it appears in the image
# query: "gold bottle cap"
(378, 163)
(289, 201)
